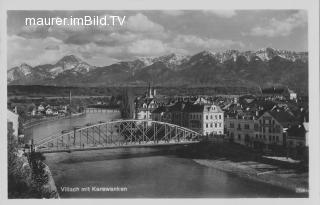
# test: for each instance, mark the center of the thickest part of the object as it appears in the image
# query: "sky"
(150, 33)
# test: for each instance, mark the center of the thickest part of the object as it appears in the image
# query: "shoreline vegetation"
(241, 162)
(28, 176)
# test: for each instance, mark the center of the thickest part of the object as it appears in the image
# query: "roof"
(284, 118)
(190, 107)
(296, 131)
(194, 108)
(160, 109)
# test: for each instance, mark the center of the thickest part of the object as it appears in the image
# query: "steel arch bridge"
(118, 134)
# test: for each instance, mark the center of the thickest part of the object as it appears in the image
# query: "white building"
(207, 119)
(13, 119)
(292, 95)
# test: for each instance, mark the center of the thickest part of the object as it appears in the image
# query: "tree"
(127, 103)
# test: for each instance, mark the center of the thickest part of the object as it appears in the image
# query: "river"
(141, 172)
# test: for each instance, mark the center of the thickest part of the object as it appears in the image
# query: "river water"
(141, 172)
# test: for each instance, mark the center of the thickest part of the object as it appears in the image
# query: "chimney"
(154, 92)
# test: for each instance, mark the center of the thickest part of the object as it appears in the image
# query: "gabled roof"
(284, 118)
(194, 108)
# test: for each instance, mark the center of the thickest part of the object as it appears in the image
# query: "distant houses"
(200, 114)
(279, 93)
(267, 123)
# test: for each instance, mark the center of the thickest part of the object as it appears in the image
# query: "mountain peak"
(69, 59)
(206, 53)
(24, 65)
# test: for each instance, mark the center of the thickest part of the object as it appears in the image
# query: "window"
(219, 117)
(269, 138)
(246, 126)
(211, 125)
(216, 117)
(206, 125)
(215, 124)
(220, 124)
(211, 117)
(239, 137)
(231, 125)
(256, 127)
(257, 136)
(277, 138)
(207, 117)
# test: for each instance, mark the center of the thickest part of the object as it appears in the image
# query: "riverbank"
(239, 161)
(30, 124)
(273, 175)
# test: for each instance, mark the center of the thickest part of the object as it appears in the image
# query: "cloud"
(52, 47)
(141, 23)
(222, 13)
(147, 47)
(191, 42)
(35, 51)
(283, 27)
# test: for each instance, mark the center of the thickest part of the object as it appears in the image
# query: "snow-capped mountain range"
(169, 69)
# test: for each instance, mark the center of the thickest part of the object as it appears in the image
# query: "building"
(207, 119)
(41, 108)
(159, 114)
(49, 111)
(279, 93)
(292, 95)
(13, 120)
(241, 129)
(267, 131)
(145, 105)
(296, 137)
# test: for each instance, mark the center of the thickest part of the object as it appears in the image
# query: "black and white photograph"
(160, 103)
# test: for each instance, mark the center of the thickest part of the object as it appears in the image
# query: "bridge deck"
(117, 147)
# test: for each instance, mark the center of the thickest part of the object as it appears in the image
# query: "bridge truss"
(120, 133)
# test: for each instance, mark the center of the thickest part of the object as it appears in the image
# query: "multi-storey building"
(207, 119)
(266, 131)
(240, 129)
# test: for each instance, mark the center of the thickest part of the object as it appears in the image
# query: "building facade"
(267, 131)
(207, 119)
